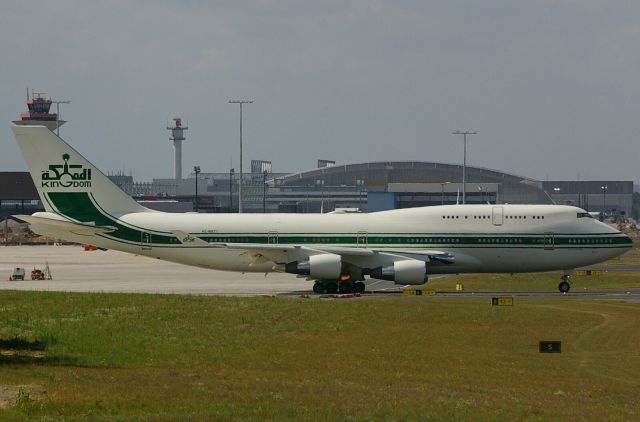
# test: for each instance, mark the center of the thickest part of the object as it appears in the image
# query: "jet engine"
(323, 266)
(410, 271)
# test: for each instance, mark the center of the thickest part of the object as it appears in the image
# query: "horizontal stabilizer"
(54, 222)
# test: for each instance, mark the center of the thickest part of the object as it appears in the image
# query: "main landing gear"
(335, 286)
(565, 284)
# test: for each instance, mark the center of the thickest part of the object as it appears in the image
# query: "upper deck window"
(584, 215)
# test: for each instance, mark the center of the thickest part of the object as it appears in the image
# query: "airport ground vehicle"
(37, 274)
(17, 274)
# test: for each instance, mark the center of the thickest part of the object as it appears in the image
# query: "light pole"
(196, 170)
(483, 190)
(360, 184)
(556, 191)
(464, 162)
(604, 200)
(57, 103)
(264, 191)
(231, 189)
(240, 181)
(442, 190)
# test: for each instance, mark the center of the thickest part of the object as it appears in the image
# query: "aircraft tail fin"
(67, 183)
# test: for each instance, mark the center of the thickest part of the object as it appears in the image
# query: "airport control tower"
(177, 136)
(38, 112)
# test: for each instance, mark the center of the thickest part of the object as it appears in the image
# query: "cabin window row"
(475, 217)
(499, 240)
(590, 241)
(228, 239)
(412, 240)
(486, 217)
(375, 240)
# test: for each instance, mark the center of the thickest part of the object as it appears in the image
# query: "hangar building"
(383, 185)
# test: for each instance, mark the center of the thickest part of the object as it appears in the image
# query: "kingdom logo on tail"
(70, 176)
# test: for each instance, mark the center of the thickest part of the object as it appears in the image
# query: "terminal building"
(18, 194)
(609, 196)
(385, 185)
(376, 186)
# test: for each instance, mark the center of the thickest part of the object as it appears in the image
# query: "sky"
(551, 87)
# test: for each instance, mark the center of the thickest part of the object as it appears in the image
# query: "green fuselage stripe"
(78, 206)
(426, 240)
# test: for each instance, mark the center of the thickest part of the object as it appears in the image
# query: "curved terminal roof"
(399, 172)
(378, 175)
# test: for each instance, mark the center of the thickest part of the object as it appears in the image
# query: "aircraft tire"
(359, 287)
(318, 288)
(564, 286)
(345, 288)
(331, 287)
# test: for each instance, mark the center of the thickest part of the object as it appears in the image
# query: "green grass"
(534, 281)
(631, 257)
(169, 357)
(613, 277)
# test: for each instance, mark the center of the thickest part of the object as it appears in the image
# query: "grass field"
(614, 276)
(630, 257)
(534, 281)
(168, 357)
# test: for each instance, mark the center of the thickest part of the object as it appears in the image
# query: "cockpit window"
(584, 215)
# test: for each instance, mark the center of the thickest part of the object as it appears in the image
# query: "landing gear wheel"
(318, 288)
(564, 286)
(331, 287)
(359, 287)
(345, 287)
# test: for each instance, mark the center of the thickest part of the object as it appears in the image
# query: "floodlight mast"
(241, 102)
(464, 162)
(196, 171)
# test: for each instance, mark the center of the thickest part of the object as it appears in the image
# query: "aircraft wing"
(277, 253)
(423, 255)
(259, 252)
(356, 258)
(361, 257)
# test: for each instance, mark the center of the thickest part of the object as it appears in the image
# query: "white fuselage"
(483, 238)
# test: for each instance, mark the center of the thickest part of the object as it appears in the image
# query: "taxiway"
(77, 270)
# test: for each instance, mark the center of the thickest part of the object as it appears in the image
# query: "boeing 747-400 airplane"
(337, 250)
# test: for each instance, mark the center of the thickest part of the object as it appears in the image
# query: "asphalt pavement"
(76, 270)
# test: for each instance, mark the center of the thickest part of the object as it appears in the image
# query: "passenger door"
(549, 242)
(361, 239)
(498, 216)
(146, 241)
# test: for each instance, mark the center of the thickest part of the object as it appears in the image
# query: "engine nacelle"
(323, 266)
(410, 271)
